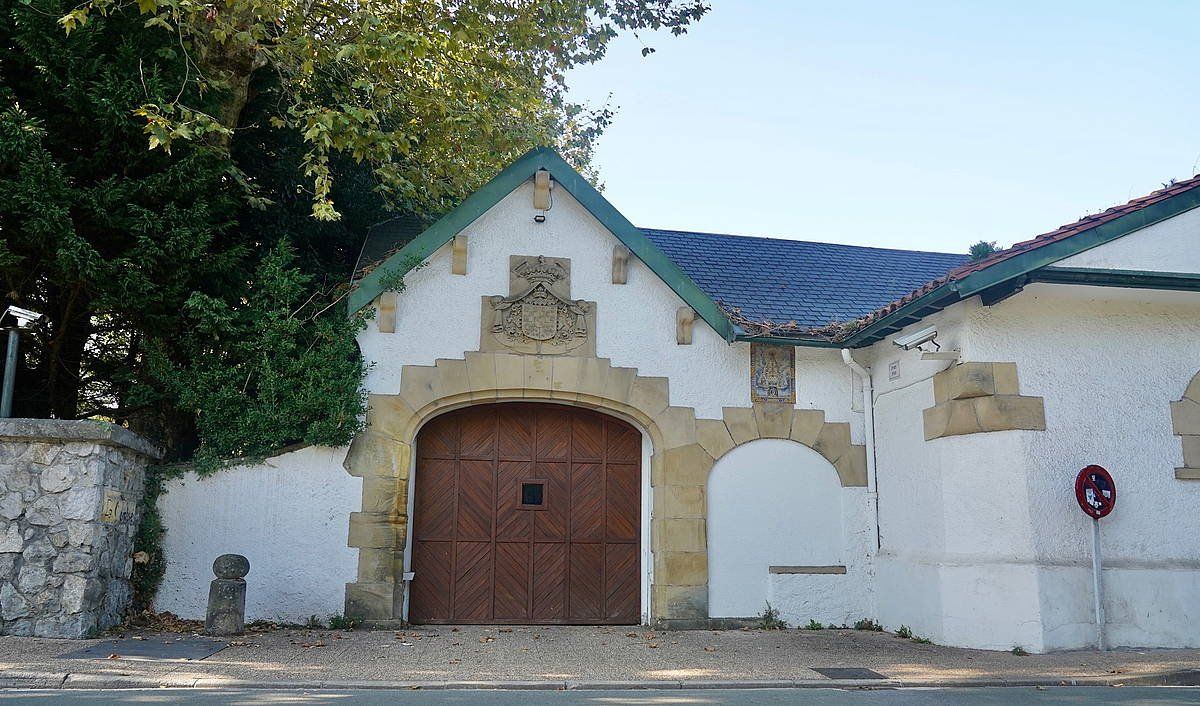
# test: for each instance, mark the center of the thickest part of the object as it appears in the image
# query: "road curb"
(13, 679)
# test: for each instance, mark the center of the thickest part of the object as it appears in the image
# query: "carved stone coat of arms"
(538, 315)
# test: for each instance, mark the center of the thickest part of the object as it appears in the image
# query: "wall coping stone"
(99, 432)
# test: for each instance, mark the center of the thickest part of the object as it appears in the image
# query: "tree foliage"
(152, 269)
(432, 94)
(161, 162)
(982, 249)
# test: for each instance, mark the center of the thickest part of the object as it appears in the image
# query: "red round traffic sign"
(1095, 491)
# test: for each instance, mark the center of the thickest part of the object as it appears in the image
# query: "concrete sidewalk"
(580, 657)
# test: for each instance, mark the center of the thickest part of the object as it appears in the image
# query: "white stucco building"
(573, 420)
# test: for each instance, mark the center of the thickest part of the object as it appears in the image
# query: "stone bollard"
(227, 596)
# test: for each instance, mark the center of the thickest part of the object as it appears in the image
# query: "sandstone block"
(833, 440)
(806, 425)
(683, 568)
(742, 424)
(774, 420)
(713, 436)
(679, 535)
(680, 602)
(370, 601)
(852, 467)
(1002, 412)
(649, 395)
(677, 426)
(683, 465)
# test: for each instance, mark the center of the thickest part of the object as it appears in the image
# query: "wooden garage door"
(527, 513)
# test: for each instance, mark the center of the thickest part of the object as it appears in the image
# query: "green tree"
(100, 235)
(151, 267)
(435, 95)
(982, 249)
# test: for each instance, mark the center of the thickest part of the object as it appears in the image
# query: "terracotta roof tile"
(1059, 234)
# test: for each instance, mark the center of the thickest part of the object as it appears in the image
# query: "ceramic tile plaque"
(772, 373)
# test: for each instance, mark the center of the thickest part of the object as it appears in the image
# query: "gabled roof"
(813, 294)
(1006, 271)
(475, 205)
(745, 288)
(783, 281)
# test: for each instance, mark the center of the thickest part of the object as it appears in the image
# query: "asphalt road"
(1139, 696)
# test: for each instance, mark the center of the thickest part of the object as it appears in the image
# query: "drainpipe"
(868, 435)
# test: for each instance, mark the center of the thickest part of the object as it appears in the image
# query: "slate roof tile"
(812, 284)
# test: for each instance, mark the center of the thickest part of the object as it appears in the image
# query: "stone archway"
(684, 451)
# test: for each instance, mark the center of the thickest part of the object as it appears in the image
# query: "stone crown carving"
(538, 315)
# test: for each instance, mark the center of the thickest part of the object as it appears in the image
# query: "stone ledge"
(1187, 473)
(967, 380)
(983, 414)
(76, 430)
(980, 397)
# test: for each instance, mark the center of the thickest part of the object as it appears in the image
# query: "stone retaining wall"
(70, 503)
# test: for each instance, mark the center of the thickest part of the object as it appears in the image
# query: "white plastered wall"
(438, 317)
(946, 539)
(1172, 245)
(1109, 362)
(983, 544)
(288, 516)
(775, 502)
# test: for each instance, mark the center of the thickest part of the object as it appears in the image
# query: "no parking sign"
(1095, 491)
(1096, 494)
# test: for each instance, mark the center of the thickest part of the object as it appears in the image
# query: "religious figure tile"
(772, 373)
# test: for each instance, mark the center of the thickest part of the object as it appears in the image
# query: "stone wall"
(70, 503)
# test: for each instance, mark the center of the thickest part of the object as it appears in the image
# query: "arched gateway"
(526, 513)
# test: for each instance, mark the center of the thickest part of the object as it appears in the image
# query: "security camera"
(916, 338)
(24, 317)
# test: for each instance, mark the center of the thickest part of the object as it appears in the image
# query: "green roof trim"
(504, 183)
(1131, 279)
(1093, 237)
(787, 341)
(1035, 265)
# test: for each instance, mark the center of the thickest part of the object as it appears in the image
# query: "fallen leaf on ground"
(505, 629)
(653, 646)
(710, 648)
(487, 638)
(631, 634)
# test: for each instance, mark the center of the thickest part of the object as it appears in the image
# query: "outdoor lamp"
(14, 319)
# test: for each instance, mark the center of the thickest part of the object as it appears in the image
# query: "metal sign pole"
(1097, 587)
(10, 374)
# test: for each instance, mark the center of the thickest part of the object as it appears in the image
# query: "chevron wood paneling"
(480, 557)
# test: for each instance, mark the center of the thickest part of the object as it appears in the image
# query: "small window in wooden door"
(533, 495)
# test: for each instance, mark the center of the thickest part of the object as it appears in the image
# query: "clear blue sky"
(926, 125)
